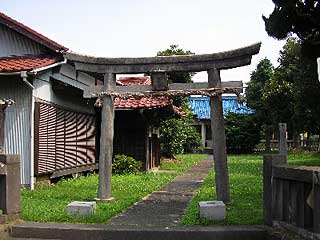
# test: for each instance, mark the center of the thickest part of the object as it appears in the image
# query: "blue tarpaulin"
(200, 106)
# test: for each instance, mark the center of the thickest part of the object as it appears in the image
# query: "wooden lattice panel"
(63, 139)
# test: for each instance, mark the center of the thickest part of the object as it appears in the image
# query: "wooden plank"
(219, 139)
(92, 91)
(275, 192)
(316, 203)
(106, 140)
(293, 173)
(268, 162)
(308, 212)
(286, 199)
(277, 199)
(267, 190)
(36, 137)
(65, 172)
(301, 202)
(293, 204)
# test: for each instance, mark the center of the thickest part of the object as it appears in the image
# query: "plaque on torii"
(158, 67)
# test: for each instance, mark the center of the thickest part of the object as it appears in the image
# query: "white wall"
(43, 90)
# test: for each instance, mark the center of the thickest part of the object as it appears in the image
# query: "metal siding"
(13, 43)
(17, 122)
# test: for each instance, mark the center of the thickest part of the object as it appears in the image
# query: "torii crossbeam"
(158, 68)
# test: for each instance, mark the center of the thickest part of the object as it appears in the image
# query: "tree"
(177, 77)
(294, 92)
(176, 134)
(254, 95)
(301, 17)
(242, 132)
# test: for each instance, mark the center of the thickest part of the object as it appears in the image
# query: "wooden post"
(268, 162)
(106, 140)
(203, 134)
(159, 81)
(219, 139)
(283, 139)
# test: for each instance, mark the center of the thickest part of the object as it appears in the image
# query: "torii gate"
(158, 67)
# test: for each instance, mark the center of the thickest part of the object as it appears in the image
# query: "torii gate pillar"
(106, 140)
(219, 139)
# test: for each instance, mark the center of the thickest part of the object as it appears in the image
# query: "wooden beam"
(189, 63)
(219, 139)
(106, 141)
(93, 91)
(296, 173)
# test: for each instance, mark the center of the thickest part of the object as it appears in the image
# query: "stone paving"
(167, 206)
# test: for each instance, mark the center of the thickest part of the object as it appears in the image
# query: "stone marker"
(81, 208)
(212, 210)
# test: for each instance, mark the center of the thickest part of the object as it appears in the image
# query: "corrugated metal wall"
(13, 43)
(17, 122)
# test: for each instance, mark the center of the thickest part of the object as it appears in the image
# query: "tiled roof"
(25, 30)
(200, 106)
(128, 81)
(17, 64)
(141, 103)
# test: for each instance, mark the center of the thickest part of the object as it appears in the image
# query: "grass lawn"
(245, 173)
(48, 204)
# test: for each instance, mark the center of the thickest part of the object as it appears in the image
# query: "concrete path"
(167, 206)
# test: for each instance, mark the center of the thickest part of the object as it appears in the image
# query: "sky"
(141, 28)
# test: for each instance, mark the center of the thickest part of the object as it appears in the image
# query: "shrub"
(193, 140)
(242, 133)
(123, 164)
(177, 136)
(172, 137)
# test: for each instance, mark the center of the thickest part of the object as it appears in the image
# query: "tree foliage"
(289, 93)
(242, 132)
(301, 17)
(294, 92)
(177, 135)
(256, 87)
(177, 77)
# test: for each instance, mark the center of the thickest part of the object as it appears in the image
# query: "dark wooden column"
(2, 118)
(219, 139)
(106, 140)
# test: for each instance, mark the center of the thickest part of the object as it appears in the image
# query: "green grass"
(48, 204)
(186, 161)
(245, 172)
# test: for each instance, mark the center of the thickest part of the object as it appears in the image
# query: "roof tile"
(17, 64)
(128, 81)
(141, 103)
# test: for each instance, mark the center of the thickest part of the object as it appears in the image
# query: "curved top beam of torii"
(187, 63)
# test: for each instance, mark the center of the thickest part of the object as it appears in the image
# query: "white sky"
(140, 28)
